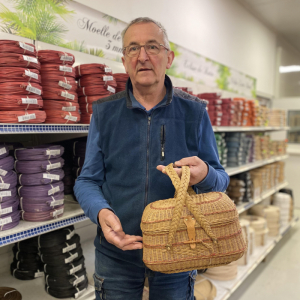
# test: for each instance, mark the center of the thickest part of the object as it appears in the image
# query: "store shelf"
(43, 128)
(257, 164)
(247, 129)
(294, 129)
(72, 214)
(265, 195)
(226, 288)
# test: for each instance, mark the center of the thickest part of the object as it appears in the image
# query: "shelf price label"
(26, 47)
(75, 269)
(31, 74)
(71, 118)
(65, 85)
(71, 258)
(69, 108)
(26, 117)
(57, 202)
(107, 78)
(53, 191)
(51, 176)
(111, 89)
(33, 90)
(5, 221)
(65, 69)
(53, 152)
(3, 172)
(53, 166)
(29, 101)
(69, 248)
(67, 95)
(66, 58)
(30, 59)
(4, 186)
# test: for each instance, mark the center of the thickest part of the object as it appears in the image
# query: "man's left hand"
(198, 168)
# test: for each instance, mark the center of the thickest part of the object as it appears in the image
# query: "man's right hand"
(114, 234)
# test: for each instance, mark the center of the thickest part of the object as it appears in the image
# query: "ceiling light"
(289, 69)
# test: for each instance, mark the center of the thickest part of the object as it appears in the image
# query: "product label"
(79, 294)
(30, 59)
(31, 74)
(5, 194)
(69, 108)
(29, 101)
(111, 89)
(75, 269)
(107, 78)
(65, 69)
(67, 95)
(26, 117)
(66, 58)
(54, 166)
(3, 172)
(57, 212)
(57, 202)
(53, 152)
(107, 70)
(65, 85)
(4, 186)
(71, 118)
(26, 47)
(78, 280)
(71, 258)
(70, 235)
(69, 248)
(6, 210)
(38, 274)
(5, 221)
(51, 176)
(33, 90)
(2, 150)
(54, 190)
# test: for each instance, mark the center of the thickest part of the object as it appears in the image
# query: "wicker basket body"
(190, 231)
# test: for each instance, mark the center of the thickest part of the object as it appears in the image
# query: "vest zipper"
(147, 163)
(162, 142)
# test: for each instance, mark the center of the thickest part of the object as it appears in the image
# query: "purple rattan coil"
(40, 206)
(78, 161)
(6, 164)
(8, 195)
(8, 181)
(12, 146)
(41, 190)
(8, 208)
(42, 152)
(36, 200)
(4, 151)
(38, 178)
(10, 221)
(76, 172)
(43, 216)
(31, 167)
(79, 148)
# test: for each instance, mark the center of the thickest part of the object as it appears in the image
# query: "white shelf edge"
(236, 170)
(246, 206)
(247, 129)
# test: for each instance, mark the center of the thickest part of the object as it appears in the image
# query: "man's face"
(146, 70)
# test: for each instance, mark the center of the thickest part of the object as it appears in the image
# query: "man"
(132, 136)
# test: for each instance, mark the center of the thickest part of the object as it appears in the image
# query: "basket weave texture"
(190, 231)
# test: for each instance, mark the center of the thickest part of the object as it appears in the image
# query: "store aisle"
(279, 277)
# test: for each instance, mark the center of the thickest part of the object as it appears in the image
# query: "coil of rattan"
(8, 293)
(204, 289)
(56, 57)
(10, 46)
(190, 231)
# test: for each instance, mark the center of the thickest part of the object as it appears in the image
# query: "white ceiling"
(281, 15)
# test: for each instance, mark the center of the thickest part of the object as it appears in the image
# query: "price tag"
(78, 280)
(2, 150)
(107, 70)
(75, 269)
(3, 172)
(107, 78)
(65, 85)
(111, 89)
(30, 59)
(4, 186)
(34, 90)
(65, 69)
(26, 117)
(71, 258)
(69, 248)
(54, 190)
(31, 74)
(38, 274)
(79, 294)
(67, 95)
(66, 58)
(5, 221)
(71, 118)
(57, 212)
(57, 202)
(53, 166)
(53, 152)
(26, 47)
(6, 210)
(51, 176)
(5, 194)
(70, 235)
(29, 101)
(69, 108)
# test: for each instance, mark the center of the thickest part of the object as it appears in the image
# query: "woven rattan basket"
(190, 231)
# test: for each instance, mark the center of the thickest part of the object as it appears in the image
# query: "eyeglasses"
(150, 48)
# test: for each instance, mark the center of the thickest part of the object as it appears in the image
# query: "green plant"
(111, 19)
(95, 51)
(224, 74)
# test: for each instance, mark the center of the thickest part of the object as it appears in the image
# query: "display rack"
(247, 129)
(226, 288)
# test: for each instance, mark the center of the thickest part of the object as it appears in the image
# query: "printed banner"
(75, 26)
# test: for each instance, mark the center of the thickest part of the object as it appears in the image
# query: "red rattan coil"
(53, 81)
(18, 88)
(17, 60)
(54, 57)
(53, 69)
(59, 117)
(58, 94)
(86, 108)
(95, 79)
(121, 79)
(85, 118)
(60, 105)
(14, 102)
(93, 90)
(89, 99)
(18, 74)
(9, 46)
(12, 116)
(86, 69)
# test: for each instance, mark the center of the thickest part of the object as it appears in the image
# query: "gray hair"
(147, 20)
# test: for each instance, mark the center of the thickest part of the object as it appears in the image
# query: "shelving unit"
(247, 129)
